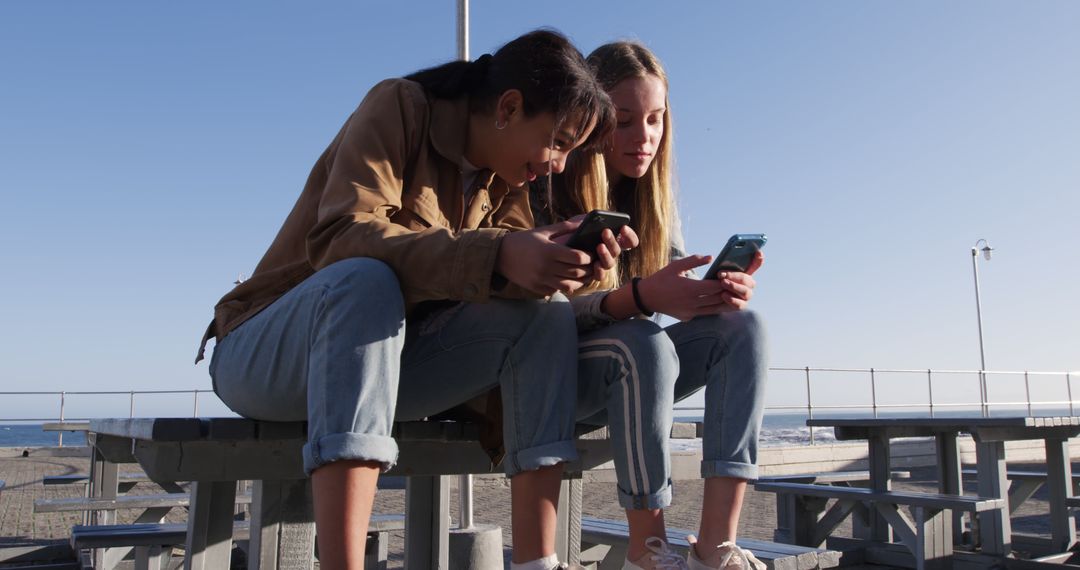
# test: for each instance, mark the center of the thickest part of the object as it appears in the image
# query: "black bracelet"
(637, 298)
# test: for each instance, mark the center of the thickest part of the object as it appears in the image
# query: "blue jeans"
(632, 372)
(727, 354)
(626, 379)
(336, 350)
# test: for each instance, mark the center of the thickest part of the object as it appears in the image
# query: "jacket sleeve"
(363, 189)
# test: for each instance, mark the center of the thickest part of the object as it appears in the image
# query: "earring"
(500, 127)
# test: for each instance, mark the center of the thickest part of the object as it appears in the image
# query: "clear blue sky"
(149, 152)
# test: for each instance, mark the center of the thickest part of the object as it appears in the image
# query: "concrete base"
(476, 548)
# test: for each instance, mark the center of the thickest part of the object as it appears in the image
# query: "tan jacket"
(389, 187)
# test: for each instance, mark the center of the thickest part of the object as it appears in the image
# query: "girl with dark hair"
(408, 266)
(717, 345)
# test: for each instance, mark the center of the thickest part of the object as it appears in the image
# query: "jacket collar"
(449, 128)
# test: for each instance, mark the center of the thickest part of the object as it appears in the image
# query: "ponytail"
(544, 66)
(454, 79)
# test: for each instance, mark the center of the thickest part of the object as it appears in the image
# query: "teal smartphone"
(737, 254)
(587, 236)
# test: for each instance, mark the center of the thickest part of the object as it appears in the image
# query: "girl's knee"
(641, 344)
(366, 286)
(554, 315)
(747, 326)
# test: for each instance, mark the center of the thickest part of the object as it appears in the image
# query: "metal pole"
(983, 394)
(465, 483)
(131, 405)
(1027, 391)
(465, 520)
(196, 404)
(61, 440)
(873, 392)
(1068, 387)
(463, 30)
(809, 405)
(930, 387)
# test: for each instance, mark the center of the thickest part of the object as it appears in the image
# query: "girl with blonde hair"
(716, 345)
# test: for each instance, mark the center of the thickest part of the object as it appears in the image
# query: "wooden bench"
(605, 541)
(795, 518)
(928, 538)
(215, 453)
(153, 543)
(841, 478)
(1025, 484)
(126, 480)
(157, 501)
(62, 426)
(154, 509)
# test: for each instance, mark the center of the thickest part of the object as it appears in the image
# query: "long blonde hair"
(653, 201)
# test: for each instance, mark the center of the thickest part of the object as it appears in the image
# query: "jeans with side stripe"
(626, 379)
(632, 372)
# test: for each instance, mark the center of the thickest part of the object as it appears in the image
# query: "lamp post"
(986, 251)
(465, 482)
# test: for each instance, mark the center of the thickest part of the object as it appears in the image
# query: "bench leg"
(108, 487)
(210, 525)
(785, 514)
(933, 529)
(152, 557)
(818, 529)
(1059, 484)
(928, 538)
(994, 526)
(615, 558)
(950, 477)
(282, 526)
(427, 522)
(377, 551)
(880, 480)
(568, 531)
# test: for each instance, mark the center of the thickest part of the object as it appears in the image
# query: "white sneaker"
(727, 556)
(661, 557)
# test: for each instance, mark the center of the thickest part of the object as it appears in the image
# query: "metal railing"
(808, 376)
(873, 376)
(64, 394)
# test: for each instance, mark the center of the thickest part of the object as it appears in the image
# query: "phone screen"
(737, 254)
(588, 235)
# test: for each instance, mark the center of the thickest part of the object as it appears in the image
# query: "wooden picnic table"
(990, 435)
(216, 453)
(62, 426)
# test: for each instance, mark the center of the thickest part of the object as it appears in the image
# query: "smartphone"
(737, 254)
(587, 236)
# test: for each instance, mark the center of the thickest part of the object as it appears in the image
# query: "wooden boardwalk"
(19, 526)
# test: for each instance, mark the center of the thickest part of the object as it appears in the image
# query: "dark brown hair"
(545, 67)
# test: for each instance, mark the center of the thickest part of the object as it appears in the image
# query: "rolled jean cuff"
(534, 458)
(350, 446)
(658, 500)
(728, 469)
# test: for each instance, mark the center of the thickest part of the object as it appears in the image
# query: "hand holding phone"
(737, 254)
(587, 237)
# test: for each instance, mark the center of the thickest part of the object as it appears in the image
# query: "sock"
(545, 563)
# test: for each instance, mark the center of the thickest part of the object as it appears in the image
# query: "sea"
(777, 429)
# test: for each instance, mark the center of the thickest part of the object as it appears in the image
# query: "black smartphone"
(737, 254)
(587, 236)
